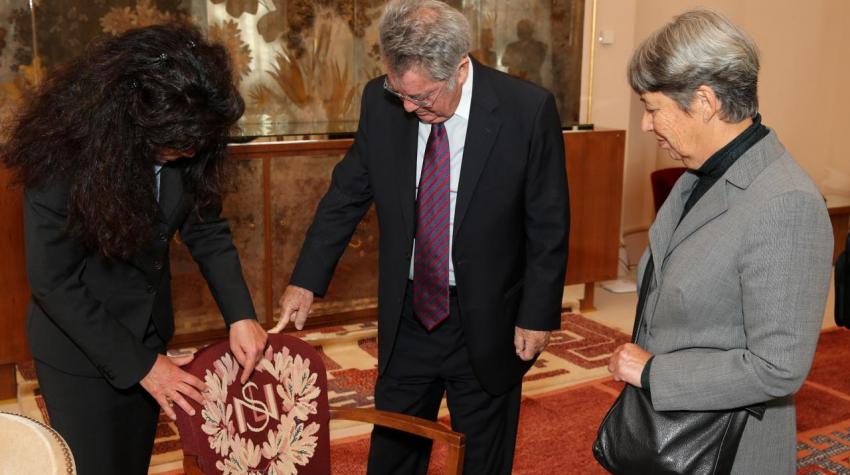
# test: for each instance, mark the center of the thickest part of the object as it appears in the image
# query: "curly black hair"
(100, 122)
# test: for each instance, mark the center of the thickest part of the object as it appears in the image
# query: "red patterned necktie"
(431, 259)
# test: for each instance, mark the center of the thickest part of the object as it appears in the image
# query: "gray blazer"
(738, 295)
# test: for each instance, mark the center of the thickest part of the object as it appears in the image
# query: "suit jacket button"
(157, 265)
(149, 289)
(163, 237)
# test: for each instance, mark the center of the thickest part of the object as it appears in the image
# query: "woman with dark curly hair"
(119, 150)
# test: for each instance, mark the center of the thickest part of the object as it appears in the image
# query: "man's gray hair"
(700, 47)
(424, 33)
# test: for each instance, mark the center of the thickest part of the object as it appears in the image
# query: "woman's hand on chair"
(247, 342)
(170, 385)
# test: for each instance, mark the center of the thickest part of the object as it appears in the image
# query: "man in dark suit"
(466, 168)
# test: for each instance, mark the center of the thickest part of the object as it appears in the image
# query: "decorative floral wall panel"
(300, 64)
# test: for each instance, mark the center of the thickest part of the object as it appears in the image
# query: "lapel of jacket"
(404, 161)
(481, 133)
(667, 218)
(712, 204)
(716, 200)
(170, 192)
(171, 196)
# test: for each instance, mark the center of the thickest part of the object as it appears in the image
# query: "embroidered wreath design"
(289, 445)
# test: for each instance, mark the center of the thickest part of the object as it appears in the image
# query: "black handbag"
(842, 294)
(634, 438)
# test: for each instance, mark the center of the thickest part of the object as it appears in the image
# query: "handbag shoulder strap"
(644, 292)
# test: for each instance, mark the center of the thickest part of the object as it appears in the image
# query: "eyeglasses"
(424, 103)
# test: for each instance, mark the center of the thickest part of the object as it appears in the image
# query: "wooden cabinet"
(270, 218)
(278, 185)
(595, 173)
(14, 290)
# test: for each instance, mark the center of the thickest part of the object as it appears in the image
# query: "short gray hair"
(700, 47)
(424, 33)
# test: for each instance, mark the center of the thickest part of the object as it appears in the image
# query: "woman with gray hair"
(735, 278)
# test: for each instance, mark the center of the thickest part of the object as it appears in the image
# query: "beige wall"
(804, 85)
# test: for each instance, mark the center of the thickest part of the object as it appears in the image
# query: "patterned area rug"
(565, 395)
(823, 409)
(577, 353)
(567, 420)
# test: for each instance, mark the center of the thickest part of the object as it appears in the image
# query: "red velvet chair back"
(662, 182)
(276, 423)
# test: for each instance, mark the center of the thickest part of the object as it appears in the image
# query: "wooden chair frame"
(455, 441)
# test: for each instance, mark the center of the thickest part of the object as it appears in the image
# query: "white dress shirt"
(456, 132)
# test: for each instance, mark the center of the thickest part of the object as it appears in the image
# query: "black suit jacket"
(511, 221)
(89, 313)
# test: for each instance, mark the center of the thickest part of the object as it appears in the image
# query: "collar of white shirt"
(465, 97)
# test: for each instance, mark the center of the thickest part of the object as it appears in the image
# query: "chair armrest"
(634, 230)
(455, 441)
(413, 425)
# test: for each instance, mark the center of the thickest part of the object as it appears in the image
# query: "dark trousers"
(425, 365)
(109, 431)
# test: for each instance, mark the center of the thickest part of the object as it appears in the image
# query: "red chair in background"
(662, 182)
(635, 239)
(278, 422)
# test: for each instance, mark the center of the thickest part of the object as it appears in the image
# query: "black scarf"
(717, 164)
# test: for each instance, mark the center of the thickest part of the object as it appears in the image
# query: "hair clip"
(133, 84)
(163, 57)
(192, 44)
